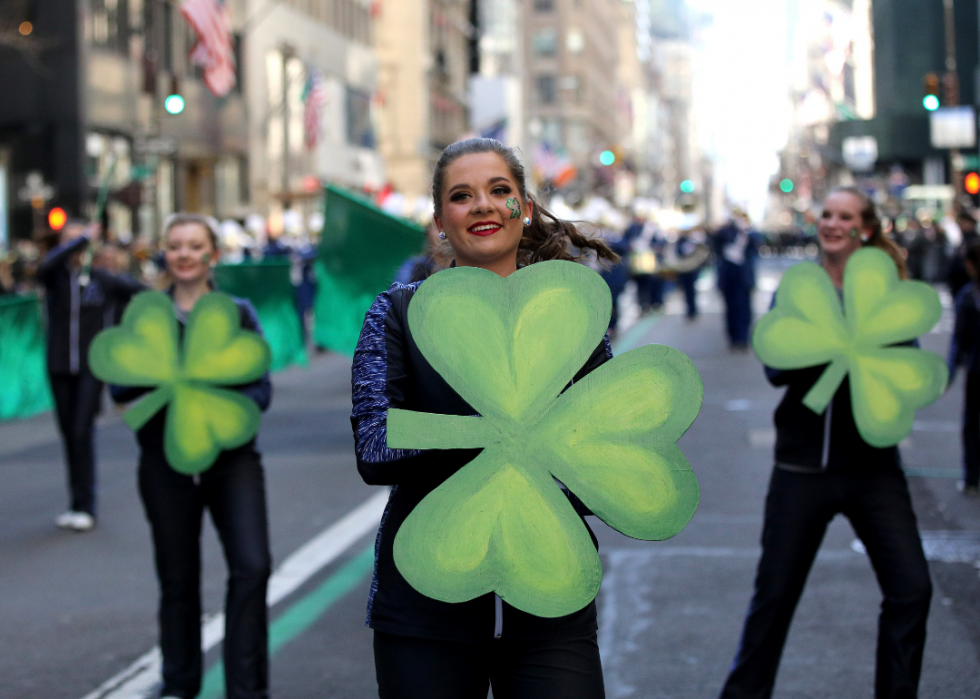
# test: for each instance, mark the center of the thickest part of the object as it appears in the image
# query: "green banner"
(268, 286)
(360, 251)
(24, 388)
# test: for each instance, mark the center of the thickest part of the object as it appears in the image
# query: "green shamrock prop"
(145, 351)
(807, 327)
(509, 346)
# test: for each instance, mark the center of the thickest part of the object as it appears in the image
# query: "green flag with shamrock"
(509, 346)
(145, 350)
(808, 327)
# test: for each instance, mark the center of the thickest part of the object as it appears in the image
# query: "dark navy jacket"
(77, 313)
(964, 346)
(390, 371)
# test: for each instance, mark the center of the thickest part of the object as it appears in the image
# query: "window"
(545, 42)
(544, 5)
(360, 131)
(574, 41)
(547, 92)
(109, 22)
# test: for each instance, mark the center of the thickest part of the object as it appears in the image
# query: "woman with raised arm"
(424, 648)
(824, 468)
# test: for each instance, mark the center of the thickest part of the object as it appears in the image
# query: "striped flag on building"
(314, 96)
(213, 51)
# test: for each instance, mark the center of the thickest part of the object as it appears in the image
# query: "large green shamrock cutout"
(145, 350)
(807, 327)
(509, 346)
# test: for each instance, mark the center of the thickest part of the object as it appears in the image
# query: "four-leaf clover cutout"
(145, 350)
(807, 327)
(509, 346)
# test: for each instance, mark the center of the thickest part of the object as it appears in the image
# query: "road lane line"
(631, 339)
(301, 615)
(142, 676)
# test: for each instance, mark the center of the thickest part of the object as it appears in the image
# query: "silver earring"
(442, 235)
(527, 221)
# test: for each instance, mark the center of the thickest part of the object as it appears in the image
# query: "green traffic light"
(687, 186)
(174, 104)
(930, 102)
(786, 185)
(607, 158)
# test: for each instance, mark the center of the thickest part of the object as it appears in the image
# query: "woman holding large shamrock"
(176, 490)
(835, 452)
(426, 648)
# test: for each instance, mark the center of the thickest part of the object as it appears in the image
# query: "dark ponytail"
(548, 237)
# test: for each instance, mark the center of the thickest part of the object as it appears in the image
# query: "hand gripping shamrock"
(145, 351)
(807, 328)
(509, 346)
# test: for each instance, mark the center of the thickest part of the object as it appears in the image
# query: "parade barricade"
(24, 387)
(267, 284)
(360, 251)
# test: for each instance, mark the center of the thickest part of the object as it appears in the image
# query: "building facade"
(312, 80)
(571, 61)
(92, 77)
(423, 49)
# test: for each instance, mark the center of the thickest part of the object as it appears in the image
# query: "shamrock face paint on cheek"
(206, 259)
(514, 204)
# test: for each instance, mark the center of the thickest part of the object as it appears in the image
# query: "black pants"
(77, 399)
(738, 313)
(687, 282)
(234, 491)
(971, 429)
(417, 668)
(798, 509)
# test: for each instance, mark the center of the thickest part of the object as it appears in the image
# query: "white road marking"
(943, 546)
(139, 679)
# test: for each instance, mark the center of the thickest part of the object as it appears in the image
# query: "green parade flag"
(24, 388)
(267, 284)
(808, 327)
(189, 375)
(509, 346)
(360, 251)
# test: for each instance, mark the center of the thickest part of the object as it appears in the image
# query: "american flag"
(314, 96)
(213, 50)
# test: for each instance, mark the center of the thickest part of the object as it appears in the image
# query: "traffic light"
(174, 102)
(786, 185)
(971, 183)
(607, 158)
(687, 187)
(57, 218)
(930, 89)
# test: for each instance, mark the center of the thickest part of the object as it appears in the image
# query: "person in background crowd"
(688, 247)
(232, 489)
(823, 468)
(964, 349)
(7, 284)
(428, 262)
(958, 276)
(645, 245)
(736, 248)
(80, 300)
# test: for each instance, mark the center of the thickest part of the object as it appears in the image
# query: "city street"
(79, 610)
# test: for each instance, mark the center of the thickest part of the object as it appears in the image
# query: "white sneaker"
(82, 522)
(76, 521)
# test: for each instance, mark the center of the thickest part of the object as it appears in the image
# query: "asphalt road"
(79, 609)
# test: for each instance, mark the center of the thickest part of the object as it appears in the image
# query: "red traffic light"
(972, 183)
(57, 218)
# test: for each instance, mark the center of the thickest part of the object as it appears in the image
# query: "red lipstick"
(486, 228)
